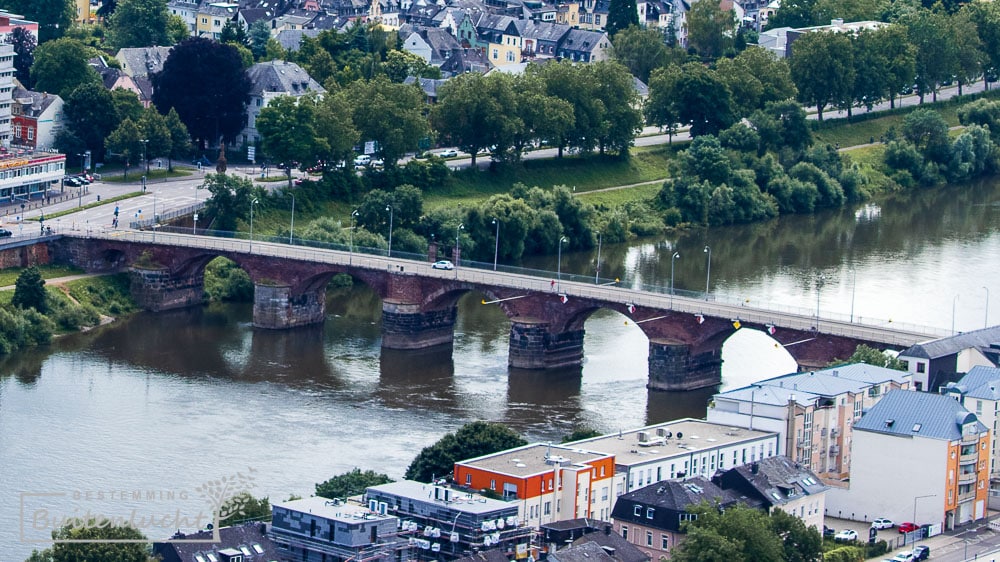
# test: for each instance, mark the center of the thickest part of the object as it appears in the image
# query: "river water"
(134, 418)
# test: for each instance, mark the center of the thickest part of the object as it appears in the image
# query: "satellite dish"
(679, 435)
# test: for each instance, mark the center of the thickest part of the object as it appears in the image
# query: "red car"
(908, 527)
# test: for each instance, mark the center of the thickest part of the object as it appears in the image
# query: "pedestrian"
(552, 284)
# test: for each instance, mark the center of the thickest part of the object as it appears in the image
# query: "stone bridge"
(419, 303)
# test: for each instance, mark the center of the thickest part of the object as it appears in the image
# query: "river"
(159, 404)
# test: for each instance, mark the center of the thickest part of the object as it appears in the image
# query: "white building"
(268, 81)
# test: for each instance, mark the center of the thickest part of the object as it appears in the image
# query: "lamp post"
(154, 216)
(954, 302)
(708, 269)
(819, 285)
(252, 203)
(597, 268)
(672, 259)
(559, 262)
(496, 249)
(145, 162)
(458, 231)
(291, 227)
(986, 310)
(854, 286)
(389, 208)
(194, 228)
(350, 248)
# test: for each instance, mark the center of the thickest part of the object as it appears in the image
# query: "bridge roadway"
(420, 303)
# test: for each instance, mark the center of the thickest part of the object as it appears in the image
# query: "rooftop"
(459, 501)
(906, 413)
(533, 459)
(942, 347)
(334, 510)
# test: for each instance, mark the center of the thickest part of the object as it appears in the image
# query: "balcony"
(834, 450)
(967, 478)
(970, 439)
(971, 458)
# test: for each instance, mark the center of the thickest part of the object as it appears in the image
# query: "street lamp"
(708, 269)
(291, 227)
(194, 227)
(252, 203)
(145, 162)
(559, 263)
(597, 268)
(496, 249)
(389, 208)
(350, 248)
(819, 285)
(458, 230)
(672, 259)
(854, 286)
(986, 311)
(954, 302)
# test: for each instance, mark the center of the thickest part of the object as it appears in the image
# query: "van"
(362, 160)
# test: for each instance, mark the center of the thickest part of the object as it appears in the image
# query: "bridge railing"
(636, 292)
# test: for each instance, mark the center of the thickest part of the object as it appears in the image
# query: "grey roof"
(491, 555)
(613, 545)
(466, 60)
(806, 387)
(251, 15)
(428, 85)
(582, 40)
(951, 345)
(291, 39)
(143, 61)
(419, 491)
(442, 43)
(281, 76)
(779, 479)
(216, 9)
(35, 102)
(980, 382)
(907, 413)
(676, 495)
(544, 31)
(245, 536)
(145, 86)
(640, 87)
(586, 552)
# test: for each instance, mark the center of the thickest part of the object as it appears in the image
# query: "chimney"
(607, 529)
(754, 468)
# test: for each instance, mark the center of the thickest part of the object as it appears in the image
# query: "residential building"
(575, 532)
(28, 175)
(318, 529)
(651, 517)
(187, 10)
(979, 392)
(678, 449)
(248, 543)
(916, 457)
(142, 61)
(812, 412)
(212, 17)
(779, 483)
(452, 523)
(36, 118)
(779, 40)
(580, 45)
(9, 21)
(268, 81)
(502, 37)
(938, 362)
(547, 482)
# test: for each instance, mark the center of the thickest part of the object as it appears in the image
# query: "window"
(664, 542)
(468, 479)
(548, 508)
(493, 484)
(597, 19)
(921, 367)
(649, 538)
(625, 532)
(649, 513)
(496, 54)
(604, 493)
(510, 56)
(638, 511)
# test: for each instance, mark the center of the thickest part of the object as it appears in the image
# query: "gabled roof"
(613, 545)
(291, 39)
(777, 480)
(492, 555)
(980, 382)
(582, 40)
(143, 61)
(251, 536)
(951, 345)
(281, 76)
(586, 552)
(251, 15)
(428, 85)
(36, 102)
(466, 60)
(807, 387)
(441, 43)
(544, 31)
(906, 413)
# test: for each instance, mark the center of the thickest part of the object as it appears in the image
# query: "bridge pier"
(673, 367)
(533, 346)
(404, 326)
(276, 308)
(157, 289)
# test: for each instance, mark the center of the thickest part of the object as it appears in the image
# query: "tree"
(91, 541)
(641, 50)
(873, 356)
(473, 439)
(177, 29)
(230, 200)
(207, 85)
(350, 484)
(244, 507)
(969, 54)
(986, 16)
(622, 14)
(822, 66)
(928, 131)
(127, 105)
(61, 65)
(471, 118)
(782, 124)
(400, 64)
(756, 77)
(288, 133)
(24, 54)
(154, 129)
(982, 112)
(710, 29)
(334, 124)
(580, 433)
(91, 116)
(704, 101)
(736, 534)
(572, 84)
(621, 120)
(138, 23)
(799, 542)
(793, 13)
(389, 114)
(661, 108)
(180, 139)
(234, 32)
(543, 117)
(29, 291)
(54, 17)
(259, 34)
(936, 56)
(126, 143)
(900, 56)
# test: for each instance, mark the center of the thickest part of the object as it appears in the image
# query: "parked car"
(72, 181)
(362, 160)
(83, 179)
(828, 532)
(903, 557)
(908, 527)
(846, 535)
(443, 264)
(4, 233)
(921, 552)
(448, 153)
(882, 523)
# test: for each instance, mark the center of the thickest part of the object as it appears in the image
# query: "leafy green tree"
(225, 281)
(542, 116)
(782, 124)
(871, 70)
(799, 542)
(29, 291)
(351, 483)
(334, 125)
(622, 120)
(872, 356)
(822, 66)
(642, 50)
(755, 77)
(61, 66)
(936, 59)
(177, 29)
(662, 107)
(259, 34)
(94, 544)
(622, 14)
(91, 116)
(389, 114)
(983, 112)
(574, 85)
(154, 129)
(288, 133)
(138, 23)
(400, 64)
(849, 10)
(706, 545)
(54, 17)
(180, 139)
(986, 16)
(793, 13)
(969, 54)
(230, 200)
(234, 32)
(738, 533)
(24, 54)
(581, 433)
(928, 131)
(704, 100)
(244, 507)
(206, 83)
(710, 29)
(473, 120)
(900, 59)
(973, 154)
(472, 440)
(126, 143)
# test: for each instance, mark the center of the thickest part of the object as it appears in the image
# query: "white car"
(362, 160)
(443, 264)
(846, 535)
(448, 153)
(904, 557)
(883, 523)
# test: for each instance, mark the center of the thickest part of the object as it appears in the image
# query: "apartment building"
(979, 392)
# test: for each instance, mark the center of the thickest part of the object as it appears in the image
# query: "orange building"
(550, 482)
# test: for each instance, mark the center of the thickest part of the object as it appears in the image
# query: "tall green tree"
(258, 34)
(662, 106)
(756, 77)
(390, 114)
(288, 132)
(61, 65)
(334, 125)
(822, 66)
(180, 139)
(472, 120)
(125, 142)
(206, 83)
(969, 54)
(986, 16)
(29, 291)
(24, 54)
(156, 132)
(230, 200)
(704, 100)
(571, 83)
(543, 117)
(710, 29)
(621, 15)
(473, 439)
(177, 29)
(936, 58)
(90, 116)
(793, 13)
(642, 50)
(749, 530)
(54, 17)
(351, 483)
(622, 120)
(138, 23)
(900, 58)
(234, 32)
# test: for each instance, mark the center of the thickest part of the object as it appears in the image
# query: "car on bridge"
(4, 233)
(443, 264)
